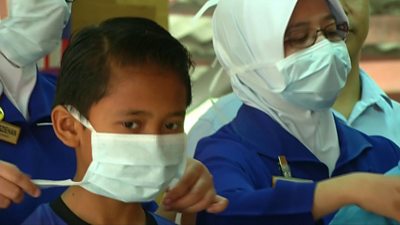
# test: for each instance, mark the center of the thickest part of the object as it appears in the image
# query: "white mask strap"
(204, 8)
(77, 115)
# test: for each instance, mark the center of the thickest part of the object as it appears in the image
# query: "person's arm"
(242, 177)
(353, 214)
(14, 184)
(373, 192)
(235, 176)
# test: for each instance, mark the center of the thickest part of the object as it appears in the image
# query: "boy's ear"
(67, 129)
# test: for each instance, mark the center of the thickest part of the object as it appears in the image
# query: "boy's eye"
(130, 125)
(173, 126)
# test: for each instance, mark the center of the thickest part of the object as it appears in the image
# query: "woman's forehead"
(310, 12)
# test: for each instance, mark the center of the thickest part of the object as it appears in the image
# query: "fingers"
(194, 201)
(4, 202)
(201, 193)
(220, 203)
(195, 192)
(13, 185)
(10, 191)
(193, 174)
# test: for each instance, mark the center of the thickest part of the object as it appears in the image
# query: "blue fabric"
(243, 156)
(38, 152)
(161, 220)
(44, 215)
(354, 215)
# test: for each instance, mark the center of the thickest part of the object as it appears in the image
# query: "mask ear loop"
(222, 117)
(203, 9)
(77, 115)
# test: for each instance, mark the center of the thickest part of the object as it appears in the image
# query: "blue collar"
(372, 93)
(269, 138)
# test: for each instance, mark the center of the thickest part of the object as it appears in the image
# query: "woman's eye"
(130, 125)
(333, 35)
(297, 39)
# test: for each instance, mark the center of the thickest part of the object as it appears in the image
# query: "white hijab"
(32, 29)
(248, 40)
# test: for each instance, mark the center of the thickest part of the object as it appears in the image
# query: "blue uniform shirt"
(243, 156)
(38, 152)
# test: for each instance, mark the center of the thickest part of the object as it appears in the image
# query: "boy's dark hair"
(127, 41)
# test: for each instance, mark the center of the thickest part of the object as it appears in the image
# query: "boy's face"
(358, 13)
(140, 100)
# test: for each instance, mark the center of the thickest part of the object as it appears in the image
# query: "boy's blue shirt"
(45, 215)
(243, 157)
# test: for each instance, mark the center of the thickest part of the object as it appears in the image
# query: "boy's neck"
(96, 209)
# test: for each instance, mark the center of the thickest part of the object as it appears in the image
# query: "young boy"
(120, 103)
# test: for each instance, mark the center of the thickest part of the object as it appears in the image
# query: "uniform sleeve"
(250, 202)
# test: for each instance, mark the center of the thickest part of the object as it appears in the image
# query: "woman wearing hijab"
(284, 158)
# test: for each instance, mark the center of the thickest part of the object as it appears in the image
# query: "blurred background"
(381, 54)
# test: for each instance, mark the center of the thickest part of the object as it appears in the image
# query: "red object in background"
(51, 62)
(3, 9)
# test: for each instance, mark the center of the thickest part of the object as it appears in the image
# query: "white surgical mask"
(133, 167)
(32, 29)
(315, 76)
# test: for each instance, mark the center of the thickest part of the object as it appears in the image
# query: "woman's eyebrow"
(328, 17)
(298, 25)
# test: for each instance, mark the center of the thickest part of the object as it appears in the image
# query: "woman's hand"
(194, 192)
(373, 192)
(14, 184)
